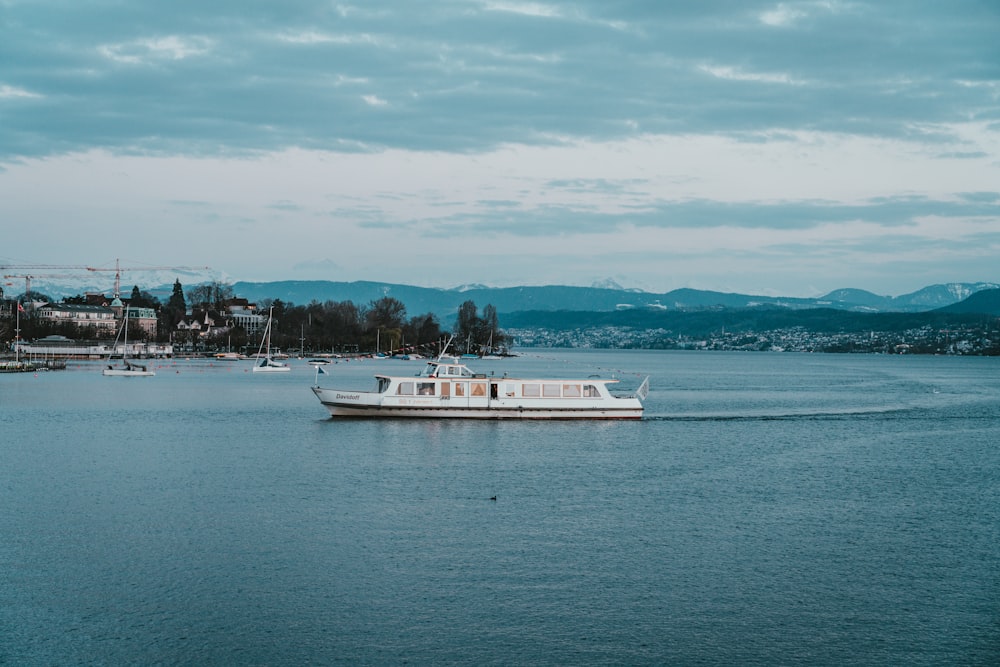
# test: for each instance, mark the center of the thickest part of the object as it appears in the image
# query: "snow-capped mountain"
(66, 285)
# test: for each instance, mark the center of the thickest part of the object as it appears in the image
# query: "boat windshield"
(437, 369)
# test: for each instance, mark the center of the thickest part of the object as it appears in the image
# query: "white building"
(102, 318)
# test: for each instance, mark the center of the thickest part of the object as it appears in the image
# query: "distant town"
(972, 340)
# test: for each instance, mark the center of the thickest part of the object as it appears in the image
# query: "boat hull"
(115, 372)
(271, 369)
(341, 403)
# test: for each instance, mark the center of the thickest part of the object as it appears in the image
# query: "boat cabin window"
(590, 391)
(405, 389)
(478, 388)
(531, 390)
(550, 391)
(460, 388)
(571, 390)
(425, 388)
(446, 370)
(383, 384)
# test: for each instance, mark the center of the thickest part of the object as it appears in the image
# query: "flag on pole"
(319, 369)
(20, 308)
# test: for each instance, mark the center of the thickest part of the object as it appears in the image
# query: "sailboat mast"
(17, 335)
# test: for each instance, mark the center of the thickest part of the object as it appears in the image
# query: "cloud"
(152, 50)
(10, 92)
(533, 9)
(478, 75)
(735, 74)
(788, 15)
(782, 15)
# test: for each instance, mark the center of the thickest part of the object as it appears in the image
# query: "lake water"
(770, 509)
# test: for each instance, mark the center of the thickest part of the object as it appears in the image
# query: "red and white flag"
(20, 308)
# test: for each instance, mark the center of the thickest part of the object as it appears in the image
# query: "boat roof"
(451, 368)
(439, 368)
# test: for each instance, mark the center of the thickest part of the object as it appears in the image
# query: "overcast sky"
(784, 148)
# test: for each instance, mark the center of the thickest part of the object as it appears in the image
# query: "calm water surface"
(770, 509)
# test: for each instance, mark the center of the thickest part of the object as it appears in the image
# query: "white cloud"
(736, 74)
(13, 92)
(785, 15)
(781, 16)
(310, 37)
(534, 9)
(170, 47)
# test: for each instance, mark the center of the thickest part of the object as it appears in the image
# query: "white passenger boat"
(450, 390)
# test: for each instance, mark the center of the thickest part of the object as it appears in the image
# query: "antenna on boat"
(445, 348)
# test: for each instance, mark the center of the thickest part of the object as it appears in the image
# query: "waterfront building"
(143, 318)
(60, 347)
(102, 318)
(244, 314)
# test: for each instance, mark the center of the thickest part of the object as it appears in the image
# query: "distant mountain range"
(607, 297)
(445, 302)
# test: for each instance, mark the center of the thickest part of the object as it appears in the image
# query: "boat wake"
(797, 415)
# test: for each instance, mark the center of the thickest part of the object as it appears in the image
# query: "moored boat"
(451, 390)
(265, 362)
(128, 368)
(16, 367)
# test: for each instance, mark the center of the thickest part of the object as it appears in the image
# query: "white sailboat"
(490, 354)
(379, 354)
(264, 363)
(128, 368)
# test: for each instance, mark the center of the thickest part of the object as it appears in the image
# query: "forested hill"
(986, 301)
